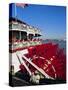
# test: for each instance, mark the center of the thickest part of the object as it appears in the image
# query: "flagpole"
(16, 18)
(15, 11)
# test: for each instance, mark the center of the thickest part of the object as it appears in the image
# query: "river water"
(61, 43)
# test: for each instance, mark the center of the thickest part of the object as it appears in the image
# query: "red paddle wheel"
(50, 58)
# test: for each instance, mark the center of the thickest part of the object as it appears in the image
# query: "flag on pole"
(23, 5)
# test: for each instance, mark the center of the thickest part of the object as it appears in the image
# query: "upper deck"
(22, 35)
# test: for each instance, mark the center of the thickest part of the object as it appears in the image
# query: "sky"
(51, 20)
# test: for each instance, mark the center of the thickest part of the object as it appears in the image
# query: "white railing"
(17, 27)
(22, 44)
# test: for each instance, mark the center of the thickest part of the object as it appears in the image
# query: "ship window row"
(19, 35)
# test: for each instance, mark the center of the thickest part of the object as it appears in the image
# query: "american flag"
(23, 5)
